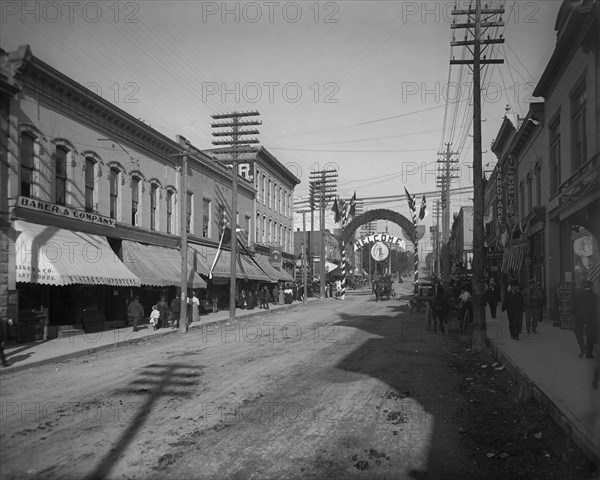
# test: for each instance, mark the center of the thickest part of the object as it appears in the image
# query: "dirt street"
(337, 389)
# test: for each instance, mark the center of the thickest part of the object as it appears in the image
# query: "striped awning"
(158, 266)
(204, 258)
(56, 256)
(274, 272)
(513, 256)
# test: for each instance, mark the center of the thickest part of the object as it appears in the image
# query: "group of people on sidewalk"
(530, 301)
(163, 314)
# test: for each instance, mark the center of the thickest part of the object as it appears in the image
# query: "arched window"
(154, 206)
(135, 199)
(170, 207)
(113, 179)
(90, 183)
(60, 175)
(27, 154)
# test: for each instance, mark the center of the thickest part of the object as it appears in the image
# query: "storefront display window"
(585, 255)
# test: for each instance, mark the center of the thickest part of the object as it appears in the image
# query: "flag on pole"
(411, 201)
(217, 255)
(352, 210)
(336, 210)
(423, 211)
(594, 272)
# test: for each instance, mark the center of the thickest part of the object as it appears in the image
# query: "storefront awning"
(158, 266)
(274, 272)
(55, 256)
(245, 269)
(512, 258)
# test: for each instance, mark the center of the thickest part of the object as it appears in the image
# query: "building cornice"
(577, 26)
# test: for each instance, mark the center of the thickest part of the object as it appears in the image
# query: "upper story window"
(90, 175)
(263, 184)
(170, 211)
(529, 193)
(113, 178)
(189, 212)
(27, 153)
(578, 108)
(135, 199)
(269, 194)
(538, 185)
(153, 206)
(60, 175)
(206, 218)
(555, 158)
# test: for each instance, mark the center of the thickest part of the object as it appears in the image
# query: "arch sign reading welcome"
(379, 237)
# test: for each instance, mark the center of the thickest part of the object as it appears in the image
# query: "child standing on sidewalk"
(154, 316)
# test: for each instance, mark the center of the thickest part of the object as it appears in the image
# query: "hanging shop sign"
(499, 202)
(62, 211)
(378, 237)
(511, 190)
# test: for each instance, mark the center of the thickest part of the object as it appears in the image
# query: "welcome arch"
(379, 214)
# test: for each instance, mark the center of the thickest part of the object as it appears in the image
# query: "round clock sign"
(379, 251)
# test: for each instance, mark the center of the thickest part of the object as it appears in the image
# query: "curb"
(564, 419)
(115, 345)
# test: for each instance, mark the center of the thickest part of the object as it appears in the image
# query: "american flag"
(594, 272)
(513, 258)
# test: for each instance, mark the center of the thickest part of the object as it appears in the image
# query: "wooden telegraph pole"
(236, 147)
(323, 185)
(475, 26)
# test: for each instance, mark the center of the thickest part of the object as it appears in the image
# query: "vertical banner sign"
(499, 199)
(511, 200)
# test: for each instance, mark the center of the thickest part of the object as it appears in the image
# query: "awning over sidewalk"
(274, 272)
(55, 256)
(513, 256)
(158, 266)
(204, 257)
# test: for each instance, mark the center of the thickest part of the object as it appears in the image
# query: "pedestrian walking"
(533, 299)
(281, 295)
(163, 309)
(439, 308)
(584, 311)
(175, 311)
(275, 295)
(513, 305)
(492, 295)
(135, 312)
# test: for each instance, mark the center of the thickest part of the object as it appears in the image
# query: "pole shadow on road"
(410, 360)
(156, 381)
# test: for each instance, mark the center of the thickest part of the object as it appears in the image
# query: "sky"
(361, 86)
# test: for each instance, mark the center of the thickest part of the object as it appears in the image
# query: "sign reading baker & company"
(62, 211)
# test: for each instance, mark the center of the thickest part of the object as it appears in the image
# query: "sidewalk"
(546, 366)
(28, 355)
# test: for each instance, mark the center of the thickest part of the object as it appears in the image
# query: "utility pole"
(479, 332)
(323, 184)
(446, 171)
(304, 273)
(437, 237)
(236, 146)
(183, 228)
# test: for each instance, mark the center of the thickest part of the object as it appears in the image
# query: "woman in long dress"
(194, 311)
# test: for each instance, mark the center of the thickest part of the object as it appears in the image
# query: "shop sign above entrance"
(62, 211)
